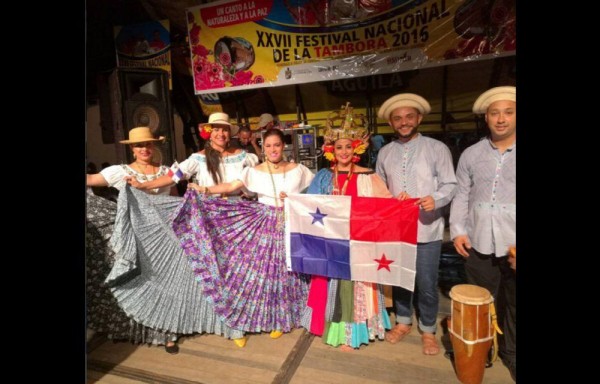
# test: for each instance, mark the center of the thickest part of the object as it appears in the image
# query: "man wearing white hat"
(416, 166)
(266, 121)
(483, 213)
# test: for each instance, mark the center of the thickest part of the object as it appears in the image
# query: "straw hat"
(140, 135)
(221, 118)
(265, 119)
(492, 95)
(403, 100)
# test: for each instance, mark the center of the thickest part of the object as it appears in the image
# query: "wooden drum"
(471, 330)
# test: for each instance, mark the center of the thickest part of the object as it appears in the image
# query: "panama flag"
(366, 239)
(175, 173)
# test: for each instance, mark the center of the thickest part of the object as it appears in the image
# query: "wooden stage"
(296, 357)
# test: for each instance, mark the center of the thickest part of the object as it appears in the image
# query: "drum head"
(470, 294)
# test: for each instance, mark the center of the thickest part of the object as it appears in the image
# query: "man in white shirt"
(483, 215)
(416, 166)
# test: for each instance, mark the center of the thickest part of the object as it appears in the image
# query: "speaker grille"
(140, 97)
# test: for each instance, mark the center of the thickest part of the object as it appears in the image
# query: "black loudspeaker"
(106, 124)
(139, 97)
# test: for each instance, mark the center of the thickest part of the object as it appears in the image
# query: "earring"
(134, 155)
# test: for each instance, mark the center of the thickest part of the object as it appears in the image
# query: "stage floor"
(296, 357)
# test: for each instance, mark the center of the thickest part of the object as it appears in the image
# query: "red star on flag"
(384, 263)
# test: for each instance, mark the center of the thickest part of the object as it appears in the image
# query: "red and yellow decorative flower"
(205, 131)
(359, 147)
(328, 152)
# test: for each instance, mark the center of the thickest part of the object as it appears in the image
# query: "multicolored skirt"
(237, 253)
(346, 312)
(152, 278)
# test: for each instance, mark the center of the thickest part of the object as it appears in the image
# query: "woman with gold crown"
(344, 312)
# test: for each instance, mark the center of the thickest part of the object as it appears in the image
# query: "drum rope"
(497, 330)
(492, 312)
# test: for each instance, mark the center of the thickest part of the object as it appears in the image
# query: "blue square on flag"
(319, 235)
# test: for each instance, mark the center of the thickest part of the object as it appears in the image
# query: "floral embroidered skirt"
(237, 252)
(152, 278)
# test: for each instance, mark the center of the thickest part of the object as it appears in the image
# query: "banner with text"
(237, 44)
(146, 45)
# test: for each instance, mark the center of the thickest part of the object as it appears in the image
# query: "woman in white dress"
(276, 297)
(104, 314)
(144, 167)
(216, 163)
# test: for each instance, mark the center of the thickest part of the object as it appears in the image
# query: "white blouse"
(230, 167)
(292, 181)
(115, 175)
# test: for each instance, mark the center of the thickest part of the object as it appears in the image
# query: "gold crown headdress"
(345, 124)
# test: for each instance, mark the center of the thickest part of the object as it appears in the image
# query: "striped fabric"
(485, 205)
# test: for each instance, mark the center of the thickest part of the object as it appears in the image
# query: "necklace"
(142, 175)
(336, 187)
(143, 171)
(279, 213)
(275, 165)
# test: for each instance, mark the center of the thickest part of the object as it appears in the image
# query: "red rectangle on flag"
(377, 219)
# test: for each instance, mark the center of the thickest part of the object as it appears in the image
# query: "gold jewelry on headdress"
(345, 124)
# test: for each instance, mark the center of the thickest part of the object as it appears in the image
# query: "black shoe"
(172, 349)
(488, 360)
(449, 354)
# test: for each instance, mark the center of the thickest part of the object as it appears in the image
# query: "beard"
(408, 135)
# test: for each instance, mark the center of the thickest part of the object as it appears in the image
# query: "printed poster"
(146, 45)
(240, 44)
